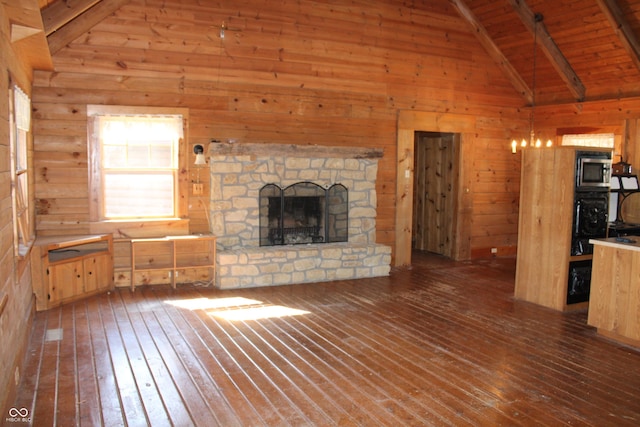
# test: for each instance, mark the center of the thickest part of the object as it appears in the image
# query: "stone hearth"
(239, 171)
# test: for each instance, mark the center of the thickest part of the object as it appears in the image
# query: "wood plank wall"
(16, 295)
(618, 116)
(300, 72)
(631, 154)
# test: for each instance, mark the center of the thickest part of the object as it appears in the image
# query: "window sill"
(22, 256)
(23, 250)
(141, 228)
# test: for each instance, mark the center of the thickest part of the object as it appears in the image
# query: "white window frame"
(96, 205)
(19, 134)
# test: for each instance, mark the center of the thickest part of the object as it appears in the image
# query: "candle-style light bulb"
(222, 28)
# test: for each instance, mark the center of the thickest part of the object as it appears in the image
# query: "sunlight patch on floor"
(236, 308)
(257, 313)
(213, 303)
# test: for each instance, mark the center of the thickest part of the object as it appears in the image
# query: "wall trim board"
(408, 123)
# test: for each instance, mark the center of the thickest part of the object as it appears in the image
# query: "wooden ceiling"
(586, 49)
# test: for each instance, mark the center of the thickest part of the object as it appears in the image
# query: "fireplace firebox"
(303, 213)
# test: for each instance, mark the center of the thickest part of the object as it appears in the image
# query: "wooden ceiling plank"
(483, 36)
(82, 23)
(622, 28)
(550, 49)
(61, 12)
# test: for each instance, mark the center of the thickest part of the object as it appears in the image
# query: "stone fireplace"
(286, 214)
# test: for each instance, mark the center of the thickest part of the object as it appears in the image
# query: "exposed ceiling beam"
(622, 28)
(82, 23)
(61, 12)
(493, 50)
(21, 32)
(550, 49)
(26, 33)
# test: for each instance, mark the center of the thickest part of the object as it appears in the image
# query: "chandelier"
(532, 141)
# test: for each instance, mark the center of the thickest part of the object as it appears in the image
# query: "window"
(135, 162)
(604, 140)
(20, 125)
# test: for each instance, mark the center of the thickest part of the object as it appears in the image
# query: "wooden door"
(434, 187)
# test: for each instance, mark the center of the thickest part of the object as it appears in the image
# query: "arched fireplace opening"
(303, 213)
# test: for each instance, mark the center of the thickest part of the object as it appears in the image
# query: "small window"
(134, 163)
(20, 126)
(603, 140)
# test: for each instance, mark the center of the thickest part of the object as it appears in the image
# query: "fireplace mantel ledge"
(293, 150)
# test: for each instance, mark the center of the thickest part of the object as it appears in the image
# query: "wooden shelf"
(172, 253)
(580, 257)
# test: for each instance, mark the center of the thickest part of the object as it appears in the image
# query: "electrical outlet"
(198, 189)
(494, 250)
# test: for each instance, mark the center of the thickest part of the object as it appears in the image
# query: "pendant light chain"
(533, 80)
(537, 18)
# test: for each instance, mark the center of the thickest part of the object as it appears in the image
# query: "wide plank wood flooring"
(442, 343)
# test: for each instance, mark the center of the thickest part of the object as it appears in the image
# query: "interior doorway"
(409, 122)
(435, 186)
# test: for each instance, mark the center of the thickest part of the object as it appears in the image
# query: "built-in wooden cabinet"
(615, 290)
(546, 218)
(544, 227)
(66, 268)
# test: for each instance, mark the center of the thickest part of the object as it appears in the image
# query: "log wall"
(16, 295)
(299, 72)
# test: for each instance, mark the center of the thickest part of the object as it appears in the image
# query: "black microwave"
(593, 171)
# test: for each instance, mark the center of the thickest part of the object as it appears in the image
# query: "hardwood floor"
(442, 343)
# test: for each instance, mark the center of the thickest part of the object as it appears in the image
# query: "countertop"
(612, 242)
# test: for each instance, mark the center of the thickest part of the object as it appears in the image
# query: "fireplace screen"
(303, 213)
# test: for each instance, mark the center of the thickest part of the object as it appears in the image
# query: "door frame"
(408, 123)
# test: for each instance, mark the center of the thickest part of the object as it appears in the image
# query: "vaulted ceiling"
(586, 49)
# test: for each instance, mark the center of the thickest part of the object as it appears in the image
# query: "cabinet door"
(98, 273)
(65, 280)
(91, 276)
